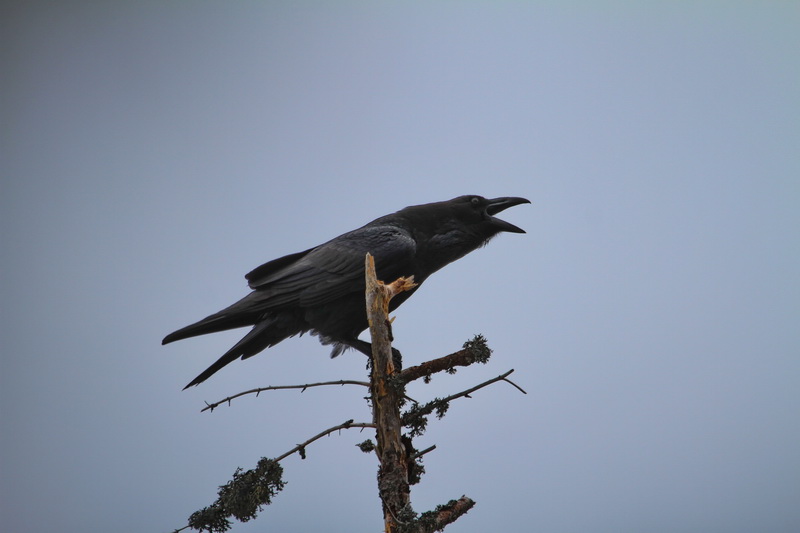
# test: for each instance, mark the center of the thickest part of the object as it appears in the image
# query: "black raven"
(321, 290)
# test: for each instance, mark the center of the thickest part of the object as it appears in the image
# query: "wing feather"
(332, 270)
(343, 262)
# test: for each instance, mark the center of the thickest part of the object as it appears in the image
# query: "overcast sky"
(153, 153)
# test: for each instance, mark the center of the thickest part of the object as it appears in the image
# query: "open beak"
(500, 204)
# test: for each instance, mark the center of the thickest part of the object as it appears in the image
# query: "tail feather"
(211, 324)
(263, 335)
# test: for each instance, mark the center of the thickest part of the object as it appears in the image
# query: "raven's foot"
(366, 348)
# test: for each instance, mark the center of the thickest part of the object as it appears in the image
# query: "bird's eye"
(475, 201)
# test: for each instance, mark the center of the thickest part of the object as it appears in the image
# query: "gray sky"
(154, 153)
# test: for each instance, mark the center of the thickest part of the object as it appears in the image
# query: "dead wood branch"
(212, 406)
(416, 417)
(445, 514)
(393, 485)
(300, 448)
(474, 351)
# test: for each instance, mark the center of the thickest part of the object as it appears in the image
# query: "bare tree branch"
(300, 448)
(514, 384)
(466, 393)
(415, 418)
(423, 452)
(212, 406)
(429, 407)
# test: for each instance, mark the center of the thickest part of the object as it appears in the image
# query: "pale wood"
(393, 484)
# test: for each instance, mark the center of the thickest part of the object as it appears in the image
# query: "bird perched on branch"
(321, 290)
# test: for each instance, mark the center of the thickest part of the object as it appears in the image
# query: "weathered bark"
(386, 398)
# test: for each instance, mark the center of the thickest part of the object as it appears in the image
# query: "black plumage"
(321, 290)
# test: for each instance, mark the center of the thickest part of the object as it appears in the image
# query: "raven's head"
(446, 231)
(479, 213)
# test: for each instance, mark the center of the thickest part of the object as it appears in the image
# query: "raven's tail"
(211, 324)
(268, 332)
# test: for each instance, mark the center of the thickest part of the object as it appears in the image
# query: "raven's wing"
(313, 278)
(334, 269)
(307, 279)
(260, 275)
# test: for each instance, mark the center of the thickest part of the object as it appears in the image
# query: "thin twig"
(212, 406)
(347, 425)
(423, 452)
(501, 377)
(515, 385)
